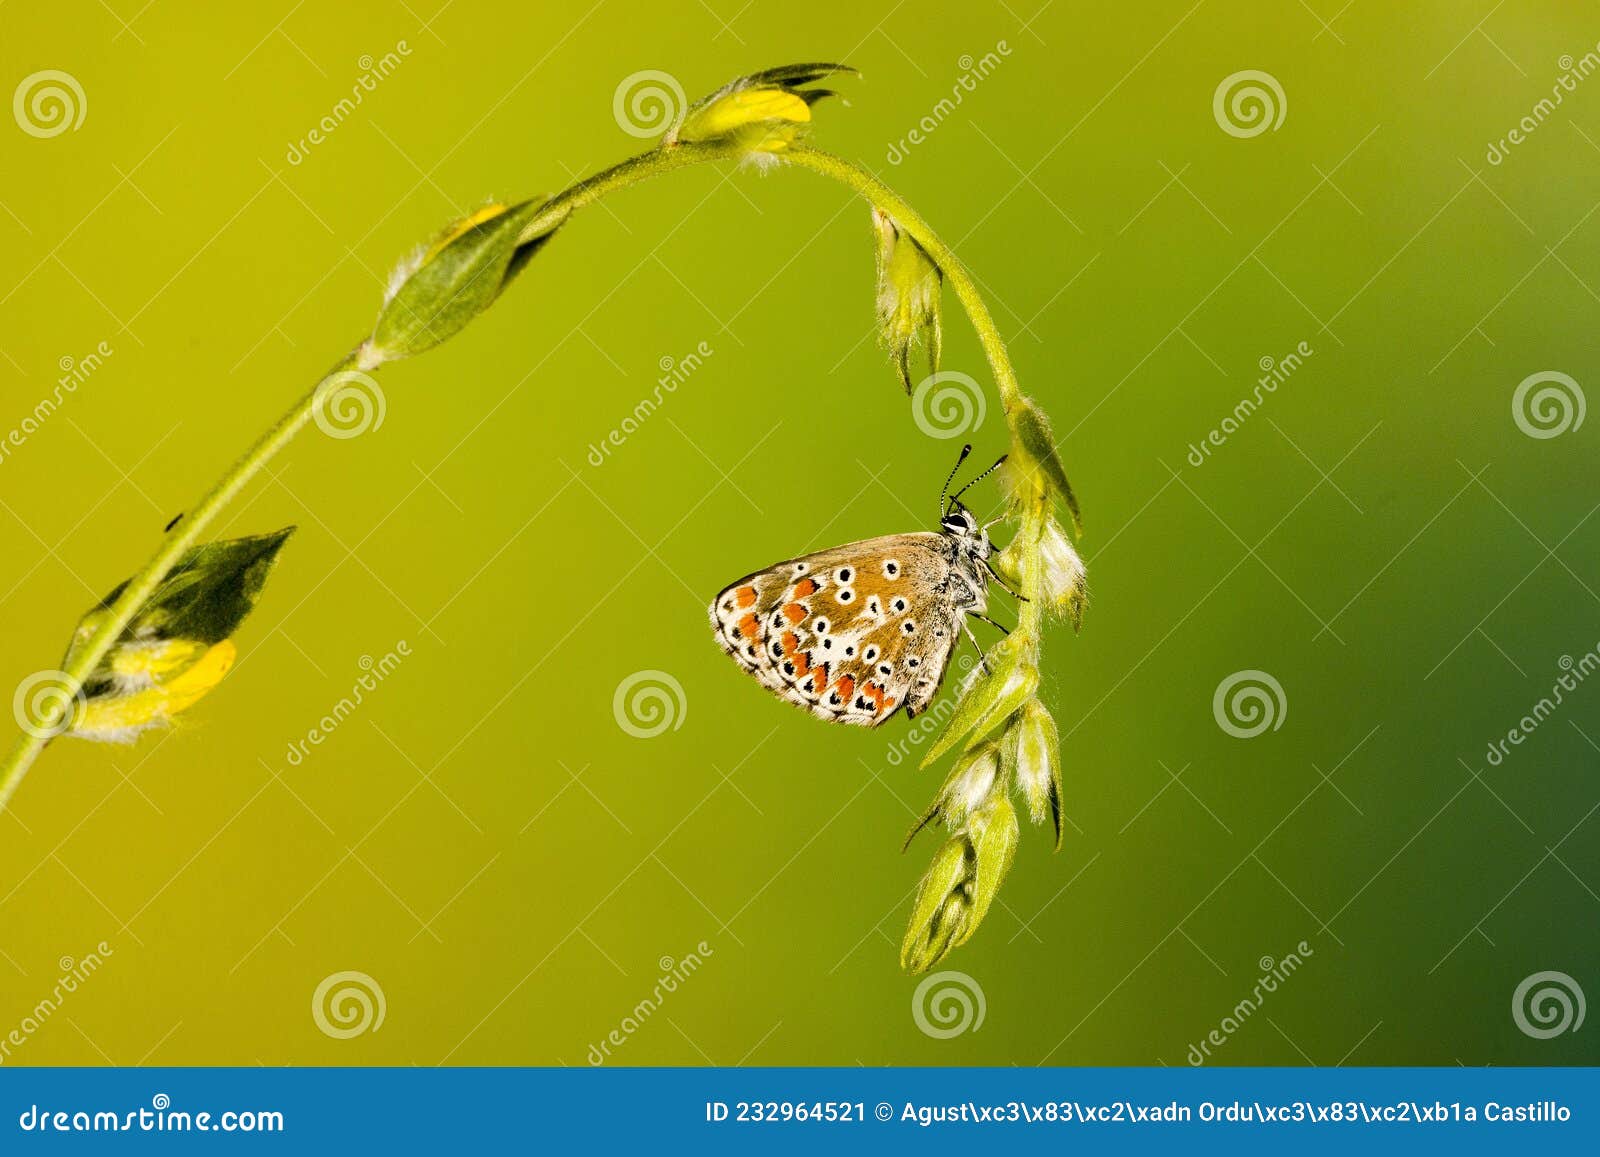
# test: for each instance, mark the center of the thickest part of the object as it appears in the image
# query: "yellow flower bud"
(761, 114)
(114, 718)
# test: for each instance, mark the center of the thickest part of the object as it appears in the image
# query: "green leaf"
(455, 280)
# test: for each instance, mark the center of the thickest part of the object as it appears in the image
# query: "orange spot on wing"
(794, 612)
(846, 686)
(805, 587)
(749, 627)
(745, 597)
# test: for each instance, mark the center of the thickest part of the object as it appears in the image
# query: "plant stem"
(966, 290)
(28, 746)
(629, 172)
(142, 585)
(1033, 506)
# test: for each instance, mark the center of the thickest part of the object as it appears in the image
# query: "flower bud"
(444, 285)
(939, 912)
(761, 114)
(1038, 769)
(989, 696)
(909, 285)
(1064, 578)
(120, 717)
(177, 647)
(993, 832)
(1037, 464)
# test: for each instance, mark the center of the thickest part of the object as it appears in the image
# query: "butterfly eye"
(913, 662)
(885, 669)
(849, 651)
(909, 627)
(799, 568)
(844, 574)
(899, 605)
(891, 568)
(820, 626)
(846, 595)
(870, 654)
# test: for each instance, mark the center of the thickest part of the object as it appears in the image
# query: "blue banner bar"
(803, 1110)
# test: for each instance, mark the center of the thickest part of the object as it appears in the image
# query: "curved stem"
(143, 585)
(629, 172)
(966, 290)
(28, 746)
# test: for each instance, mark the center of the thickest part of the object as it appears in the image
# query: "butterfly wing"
(850, 634)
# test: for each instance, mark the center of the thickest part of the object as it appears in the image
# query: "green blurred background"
(511, 867)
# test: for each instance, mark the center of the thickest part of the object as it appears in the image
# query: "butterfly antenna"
(945, 489)
(979, 478)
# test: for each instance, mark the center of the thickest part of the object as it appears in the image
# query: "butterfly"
(856, 633)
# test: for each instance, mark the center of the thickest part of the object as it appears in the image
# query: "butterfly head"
(956, 520)
(960, 524)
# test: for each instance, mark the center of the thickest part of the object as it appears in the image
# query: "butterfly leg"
(1001, 627)
(1005, 586)
(983, 658)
